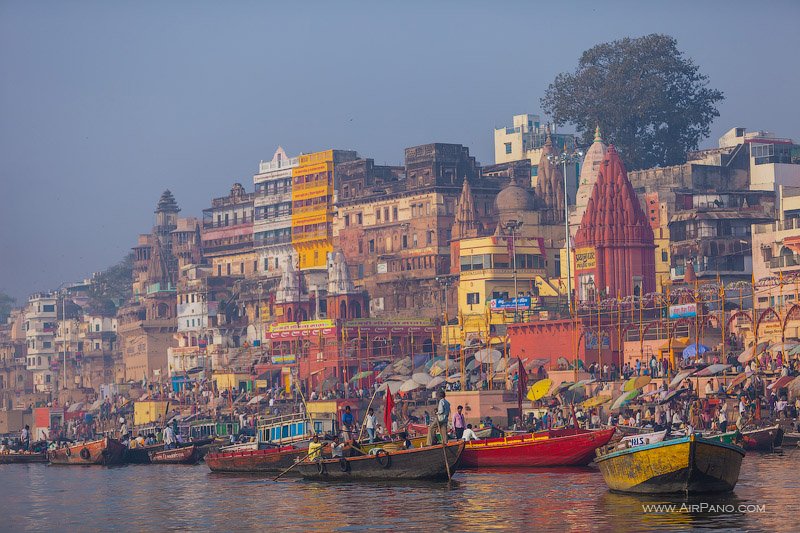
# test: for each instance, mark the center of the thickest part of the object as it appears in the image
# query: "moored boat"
(105, 451)
(762, 439)
(791, 438)
(729, 437)
(187, 455)
(691, 464)
(24, 458)
(270, 460)
(644, 438)
(544, 448)
(426, 463)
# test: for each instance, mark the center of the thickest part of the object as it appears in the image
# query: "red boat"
(106, 451)
(565, 447)
(188, 455)
(271, 460)
(763, 439)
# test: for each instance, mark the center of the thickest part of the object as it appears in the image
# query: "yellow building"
(313, 195)
(486, 288)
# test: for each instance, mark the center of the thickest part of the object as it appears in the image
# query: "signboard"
(591, 340)
(683, 311)
(585, 258)
(287, 359)
(502, 304)
(308, 324)
(382, 268)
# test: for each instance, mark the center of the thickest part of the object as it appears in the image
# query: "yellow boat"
(690, 464)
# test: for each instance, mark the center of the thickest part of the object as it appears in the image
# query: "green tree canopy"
(649, 100)
(112, 287)
(6, 304)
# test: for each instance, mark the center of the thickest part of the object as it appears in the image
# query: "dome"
(513, 198)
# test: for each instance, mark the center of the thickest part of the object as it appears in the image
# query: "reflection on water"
(149, 497)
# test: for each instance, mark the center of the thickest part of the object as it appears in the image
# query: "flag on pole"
(387, 411)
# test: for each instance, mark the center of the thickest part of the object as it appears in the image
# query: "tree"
(112, 286)
(6, 304)
(649, 100)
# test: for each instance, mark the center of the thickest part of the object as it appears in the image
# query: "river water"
(173, 497)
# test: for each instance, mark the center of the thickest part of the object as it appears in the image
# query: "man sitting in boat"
(338, 447)
(315, 449)
(469, 434)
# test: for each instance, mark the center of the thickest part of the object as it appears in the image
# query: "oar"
(361, 430)
(294, 465)
(444, 449)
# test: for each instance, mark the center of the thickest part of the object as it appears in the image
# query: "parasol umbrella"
(386, 372)
(624, 399)
(561, 388)
(422, 378)
(571, 395)
(539, 389)
(399, 377)
(636, 382)
(256, 399)
(780, 383)
(672, 395)
(712, 370)
(488, 356)
(472, 364)
(534, 364)
(430, 362)
(361, 375)
(795, 350)
(693, 350)
(596, 401)
(683, 374)
(410, 385)
(794, 387)
(784, 347)
(328, 384)
(739, 379)
(562, 362)
(436, 371)
(581, 384)
(435, 382)
(752, 351)
(453, 378)
(393, 386)
(405, 361)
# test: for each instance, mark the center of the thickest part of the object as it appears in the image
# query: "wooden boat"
(729, 437)
(644, 438)
(141, 454)
(566, 447)
(482, 433)
(270, 460)
(106, 451)
(790, 438)
(392, 445)
(763, 439)
(187, 455)
(690, 464)
(414, 464)
(22, 458)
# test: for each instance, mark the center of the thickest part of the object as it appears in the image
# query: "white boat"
(642, 439)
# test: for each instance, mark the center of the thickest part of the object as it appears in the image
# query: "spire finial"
(597, 137)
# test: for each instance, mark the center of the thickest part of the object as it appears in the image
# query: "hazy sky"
(103, 105)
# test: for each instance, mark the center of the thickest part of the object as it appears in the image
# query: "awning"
(780, 383)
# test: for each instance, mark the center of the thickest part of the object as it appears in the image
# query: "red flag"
(387, 412)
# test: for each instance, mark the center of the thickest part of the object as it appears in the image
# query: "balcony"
(785, 262)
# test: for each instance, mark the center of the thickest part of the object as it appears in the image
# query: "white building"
(272, 227)
(41, 323)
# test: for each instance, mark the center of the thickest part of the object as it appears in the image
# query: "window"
(219, 270)
(97, 327)
(414, 240)
(508, 148)
(378, 215)
(394, 213)
(255, 265)
(360, 246)
(371, 245)
(359, 219)
(664, 256)
(228, 269)
(241, 268)
(496, 295)
(48, 308)
(386, 214)
(405, 241)
(473, 298)
(430, 237)
(346, 220)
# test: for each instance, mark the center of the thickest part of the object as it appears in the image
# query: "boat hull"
(22, 458)
(188, 455)
(689, 464)
(763, 440)
(106, 451)
(536, 449)
(414, 464)
(272, 460)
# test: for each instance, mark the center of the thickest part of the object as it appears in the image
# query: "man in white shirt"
(469, 434)
(169, 438)
(370, 424)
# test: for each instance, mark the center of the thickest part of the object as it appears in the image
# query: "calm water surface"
(157, 498)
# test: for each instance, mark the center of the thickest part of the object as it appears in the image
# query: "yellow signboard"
(585, 258)
(317, 191)
(311, 168)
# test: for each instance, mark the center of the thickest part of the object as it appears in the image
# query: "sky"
(103, 105)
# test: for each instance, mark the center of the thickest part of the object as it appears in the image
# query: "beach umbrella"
(712, 370)
(752, 351)
(538, 390)
(430, 362)
(581, 384)
(399, 377)
(561, 387)
(562, 361)
(255, 399)
(571, 395)
(405, 361)
(794, 387)
(672, 395)
(361, 375)
(327, 384)
(794, 351)
(624, 399)
(422, 378)
(683, 374)
(435, 382)
(392, 386)
(596, 401)
(784, 347)
(472, 364)
(741, 378)
(488, 356)
(693, 350)
(534, 364)
(636, 382)
(453, 378)
(410, 385)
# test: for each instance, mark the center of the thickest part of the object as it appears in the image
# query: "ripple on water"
(149, 497)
